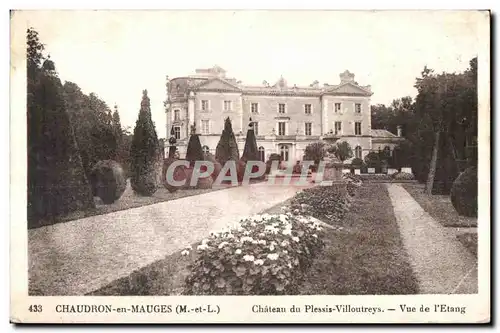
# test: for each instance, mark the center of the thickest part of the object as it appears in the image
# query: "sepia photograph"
(303, 155)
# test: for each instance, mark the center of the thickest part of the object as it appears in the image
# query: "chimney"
(400, 130)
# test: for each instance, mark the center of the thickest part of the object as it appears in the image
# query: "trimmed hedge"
(403, 176)
(217, 166)
(108, 181)
(464, 193)
(179, 174)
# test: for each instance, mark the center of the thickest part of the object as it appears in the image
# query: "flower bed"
(327, 203)
(353, 183)
(261, 255)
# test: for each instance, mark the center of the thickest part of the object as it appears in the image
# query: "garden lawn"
(439, 207)
(366, 256)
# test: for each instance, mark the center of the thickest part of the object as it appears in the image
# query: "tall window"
(205, 127)
(177, 115)
(338, 127)
(281, 108)
(256, 128)
(177, 132)
(227, 106)
(338, 106)
(307, 108)
(357, 128)
(204, 105)
(358, 152)
(357, 107)
(308, 129)
(284, 152)
(255, 108)
(262, 154)
(281, 128)
(205, 149)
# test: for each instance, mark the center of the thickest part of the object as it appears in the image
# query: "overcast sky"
(117, 54)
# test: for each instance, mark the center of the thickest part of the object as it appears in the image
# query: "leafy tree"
(342, 150)
(227, 148)
(373, 160)
(57, 184)
(144, 151)
(399, 113)
(315, 152)
(357, 162)
(447, 102)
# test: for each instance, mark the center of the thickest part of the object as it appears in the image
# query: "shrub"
(403, 176)
(217, 165)
(464, 193)
(272, 157)
(357, 163)
(108, 181)
(261, 255)
(297, 168)
(178, 175)
(353, 183)
(205, 183)
(328, 203)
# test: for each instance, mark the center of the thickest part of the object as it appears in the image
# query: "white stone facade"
(288, 118)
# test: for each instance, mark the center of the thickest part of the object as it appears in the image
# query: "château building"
(286, 117)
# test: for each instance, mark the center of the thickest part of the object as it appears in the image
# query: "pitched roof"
(382, 133)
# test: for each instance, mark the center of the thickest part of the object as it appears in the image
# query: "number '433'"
(35, 308)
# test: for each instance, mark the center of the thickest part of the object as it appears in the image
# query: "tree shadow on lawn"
(131, 200)
(365, 257)
(439, 207)
(469, 240)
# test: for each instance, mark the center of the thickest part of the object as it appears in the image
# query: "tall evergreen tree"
(144, 151)
(57, 183)
(95, 135)
(227, 148)
(116, 123)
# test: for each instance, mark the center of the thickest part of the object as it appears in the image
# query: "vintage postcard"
(306, 166)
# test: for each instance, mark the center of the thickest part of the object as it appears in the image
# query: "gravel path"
(441, 264)
(80, 256)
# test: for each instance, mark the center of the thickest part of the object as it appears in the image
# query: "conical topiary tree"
(144, 151)
(227, 148)
(194, 151)
(172, 141)
(250, 152)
